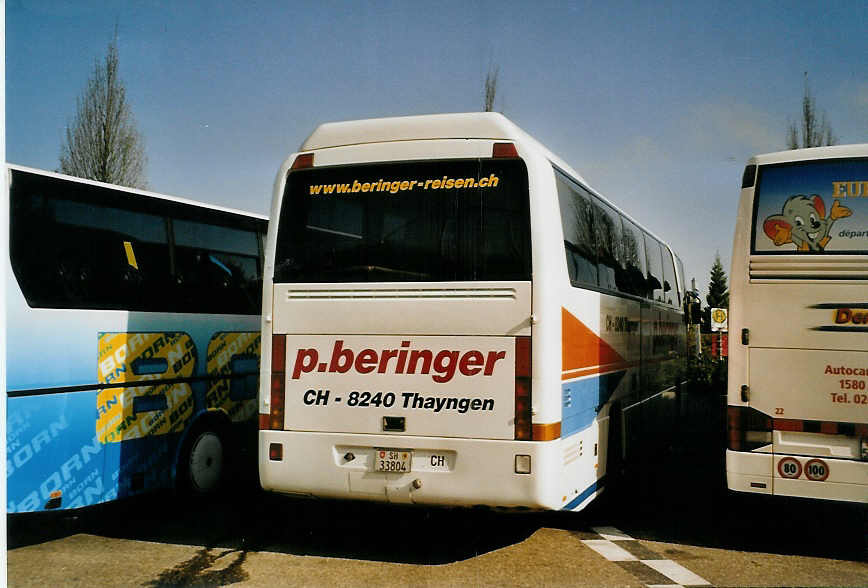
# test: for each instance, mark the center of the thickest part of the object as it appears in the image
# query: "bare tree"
(102, 142)
(814, 130)
(490, 88)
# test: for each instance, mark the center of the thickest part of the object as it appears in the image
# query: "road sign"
(718, 319)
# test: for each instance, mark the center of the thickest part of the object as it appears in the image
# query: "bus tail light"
(504, 150)
(275, 418)
(54, 500)
(747, 428)
(303, 161)
(748, 179)
(523, 425)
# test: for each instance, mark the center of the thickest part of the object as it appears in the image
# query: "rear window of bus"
(812, 207)
(422, 221)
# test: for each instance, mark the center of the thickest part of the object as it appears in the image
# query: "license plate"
(393, 460)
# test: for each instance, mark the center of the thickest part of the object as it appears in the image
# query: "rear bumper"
(445, 471)
(758, 473)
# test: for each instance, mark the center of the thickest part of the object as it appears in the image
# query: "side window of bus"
(634, 260)
(577, 219)
(216, 268)
(670, 286)
(609, 245)
(72, 251)
(128, 253)
(655, 269)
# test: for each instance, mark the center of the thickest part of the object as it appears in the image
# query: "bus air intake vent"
(456, 293)
(808, 267)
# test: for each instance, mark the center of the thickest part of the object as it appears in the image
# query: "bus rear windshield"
(421, 221)
(812, 207)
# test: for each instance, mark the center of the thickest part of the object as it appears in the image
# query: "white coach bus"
(798, 367)
(452, 316)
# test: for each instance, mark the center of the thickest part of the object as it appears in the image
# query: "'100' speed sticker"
(815, 470)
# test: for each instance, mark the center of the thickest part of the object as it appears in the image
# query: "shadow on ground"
(676, 497)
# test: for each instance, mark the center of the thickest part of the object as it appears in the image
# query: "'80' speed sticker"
(815, 470)
(790, 467)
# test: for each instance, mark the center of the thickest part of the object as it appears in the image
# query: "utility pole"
(695, 294)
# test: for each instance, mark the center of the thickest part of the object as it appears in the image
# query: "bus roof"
(136, 191)
(491, 126)
(471, 125)
(791, 155)
(467, 125)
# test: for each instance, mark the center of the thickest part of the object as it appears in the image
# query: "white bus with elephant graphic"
(798, 315)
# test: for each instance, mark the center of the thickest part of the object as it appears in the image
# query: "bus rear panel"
(419, 273)
(798, 405)
(453, 320)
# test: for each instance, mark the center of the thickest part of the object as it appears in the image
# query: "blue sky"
(657, 104)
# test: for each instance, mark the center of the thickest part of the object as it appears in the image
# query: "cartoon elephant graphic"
(803, 222)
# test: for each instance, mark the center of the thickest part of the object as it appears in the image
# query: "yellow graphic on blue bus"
(153, 408)
(233, 370)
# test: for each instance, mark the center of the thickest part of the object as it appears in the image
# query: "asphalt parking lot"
(672, 510)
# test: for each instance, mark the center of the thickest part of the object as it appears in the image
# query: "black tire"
(203, 461)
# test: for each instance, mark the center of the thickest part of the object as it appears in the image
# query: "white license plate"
(392, 460)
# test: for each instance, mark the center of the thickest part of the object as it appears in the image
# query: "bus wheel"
(203, 462)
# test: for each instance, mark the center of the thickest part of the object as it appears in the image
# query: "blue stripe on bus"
(53, 446)
(575, 502)
(583, 398)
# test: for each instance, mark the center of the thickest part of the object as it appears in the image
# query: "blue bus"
(132, 338)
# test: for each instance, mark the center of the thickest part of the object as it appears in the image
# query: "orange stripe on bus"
(582, 349)
(788, 425)
(546, 432)
(824, 427)
(598, 369)
(829, 428)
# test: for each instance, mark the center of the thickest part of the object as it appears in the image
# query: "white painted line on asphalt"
(675, 572)
(609, 550)
(664, 567)
(611, 533)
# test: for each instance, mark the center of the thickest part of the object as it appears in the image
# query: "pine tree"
(718, 293)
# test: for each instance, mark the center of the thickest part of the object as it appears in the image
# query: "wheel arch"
(213, 419)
